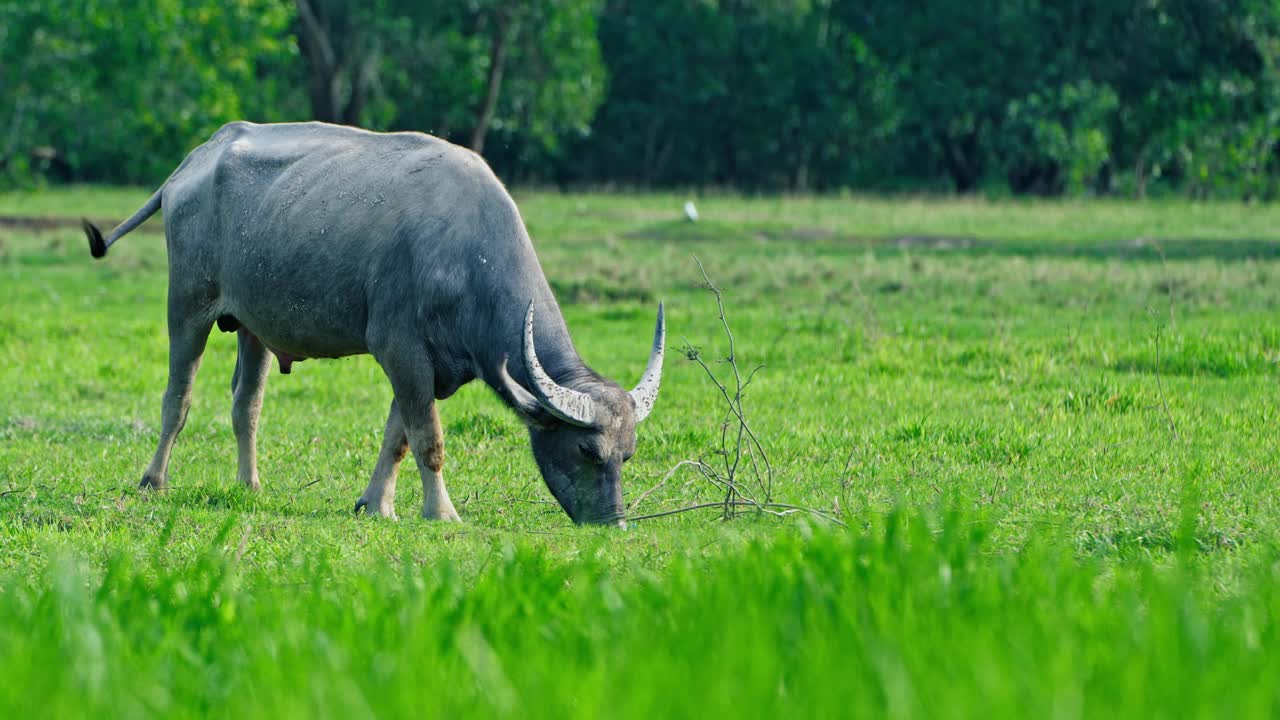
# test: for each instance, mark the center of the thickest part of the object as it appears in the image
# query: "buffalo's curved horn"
(646, 392)
(565, 403)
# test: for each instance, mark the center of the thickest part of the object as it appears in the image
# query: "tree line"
(1046, 97)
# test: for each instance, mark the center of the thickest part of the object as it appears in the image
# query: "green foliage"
(760, 95)
(115, 89)
(552, 79)
(1039, 97)
(1057, 96)
(1194, 86)
(1054, 140)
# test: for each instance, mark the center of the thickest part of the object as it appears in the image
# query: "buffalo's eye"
(590, 454)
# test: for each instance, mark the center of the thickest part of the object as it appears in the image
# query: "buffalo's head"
(581, 436)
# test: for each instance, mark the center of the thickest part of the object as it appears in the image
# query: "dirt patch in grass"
(40, 224)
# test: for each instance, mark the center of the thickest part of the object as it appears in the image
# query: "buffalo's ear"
(522, 401)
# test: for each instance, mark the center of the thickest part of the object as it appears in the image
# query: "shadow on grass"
(1142, 248)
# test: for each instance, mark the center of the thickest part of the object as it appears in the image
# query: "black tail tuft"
(97, 246)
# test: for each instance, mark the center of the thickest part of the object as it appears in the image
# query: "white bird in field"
(690, 211)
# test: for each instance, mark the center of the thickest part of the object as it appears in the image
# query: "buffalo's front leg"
(413, 381)
(379, 497)
(253, 364)
(429, 452)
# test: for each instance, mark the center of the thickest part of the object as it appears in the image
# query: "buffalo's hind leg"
(187, 338)
(253, 364)
(379, 497)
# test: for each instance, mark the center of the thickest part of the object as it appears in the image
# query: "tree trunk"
(961, 158)
(497, 63)
(649, 162)
(322, 64)
(361, 78)
(800, 173)
(340, 68)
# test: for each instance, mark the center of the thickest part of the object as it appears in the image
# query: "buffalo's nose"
(613, 521)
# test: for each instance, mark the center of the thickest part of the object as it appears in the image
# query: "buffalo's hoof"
(153, 482)
(446, 515)
(363, 505)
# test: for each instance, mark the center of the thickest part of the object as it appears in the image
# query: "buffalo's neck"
(504, 339)
(508, 277)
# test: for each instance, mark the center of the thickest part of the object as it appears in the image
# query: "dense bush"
(117, 90)
(1028, 96)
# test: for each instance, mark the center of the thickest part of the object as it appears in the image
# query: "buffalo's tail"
(98, 245)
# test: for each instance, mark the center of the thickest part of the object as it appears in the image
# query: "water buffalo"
(319, 241)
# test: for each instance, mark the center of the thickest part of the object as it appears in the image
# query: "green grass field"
(1050, 428)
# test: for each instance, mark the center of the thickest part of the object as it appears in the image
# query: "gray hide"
(319, 241)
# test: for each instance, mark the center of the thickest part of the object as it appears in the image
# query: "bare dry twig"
(636, 503)
(1168, 416)
(786, 510)
(753, 446)
(738, 441)
(1168, 282)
